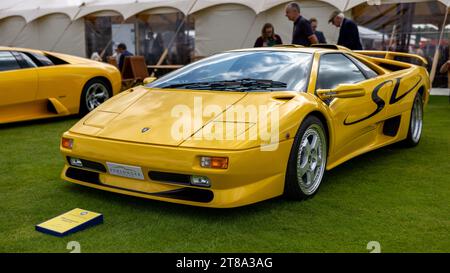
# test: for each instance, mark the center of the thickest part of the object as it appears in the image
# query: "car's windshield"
(243, 71)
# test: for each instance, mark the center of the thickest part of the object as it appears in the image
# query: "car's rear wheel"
(416, 123)
(95, 92)
(307, 161)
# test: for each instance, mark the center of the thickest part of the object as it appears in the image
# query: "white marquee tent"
(219, 25)
(32, 9)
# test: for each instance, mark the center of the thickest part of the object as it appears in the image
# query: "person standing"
(303, 34)
(349, 33)
(268, 37)
(122, 50)
(319, 34)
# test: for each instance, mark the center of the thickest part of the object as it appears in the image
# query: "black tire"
(295, 187)
(415, 123)
(86, 105)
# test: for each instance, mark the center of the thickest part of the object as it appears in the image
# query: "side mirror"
(342, 91)
(149, 80)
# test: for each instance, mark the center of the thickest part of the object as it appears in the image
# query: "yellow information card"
(70, 222)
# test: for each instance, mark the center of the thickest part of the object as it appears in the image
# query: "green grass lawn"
(398, 197)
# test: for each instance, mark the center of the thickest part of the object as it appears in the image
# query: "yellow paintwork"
(25, 93)
(112, 133)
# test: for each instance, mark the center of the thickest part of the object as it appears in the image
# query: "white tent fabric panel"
(128, 8)
(185, 6)
(6, 5)
(119, 6)
(10, 28)
(204, 4)
(68, 37)
(28, 36)
(33, 9)
(259, 6)
(215, 27)
(53, 32)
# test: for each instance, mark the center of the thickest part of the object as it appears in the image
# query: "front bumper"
(252, 175)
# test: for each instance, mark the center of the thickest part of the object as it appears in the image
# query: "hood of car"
(178, 117)
(153, 116)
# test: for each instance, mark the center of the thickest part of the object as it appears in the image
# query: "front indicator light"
(67, 143)
(214, 162)
(201, 181)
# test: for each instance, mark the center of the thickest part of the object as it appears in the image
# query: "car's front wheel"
(307, 161)
(416, 123)
(95, 92)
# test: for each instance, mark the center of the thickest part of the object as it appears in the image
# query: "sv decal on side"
(394, 98)
(380, 102)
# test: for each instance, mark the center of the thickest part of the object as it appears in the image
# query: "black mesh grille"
(188, 194)
(82, 175)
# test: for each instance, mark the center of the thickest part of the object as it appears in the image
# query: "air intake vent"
(170, 177)
(82, 175)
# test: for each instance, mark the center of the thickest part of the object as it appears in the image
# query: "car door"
(57, 80)
(18, 79)
(355, 119)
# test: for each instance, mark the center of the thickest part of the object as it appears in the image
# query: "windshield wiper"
(231, 85)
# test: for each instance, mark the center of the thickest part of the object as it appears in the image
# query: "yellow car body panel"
(113, 134)
(26, 93)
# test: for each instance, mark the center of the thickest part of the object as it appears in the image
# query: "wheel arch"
(328, 129)
(421, 90)
(101, 78)
(422, 93)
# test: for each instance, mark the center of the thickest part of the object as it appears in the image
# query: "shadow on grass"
(133, 202)
(364, 161)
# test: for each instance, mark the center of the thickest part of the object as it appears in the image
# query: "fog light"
(201, 181)
(76, 162)
(214, 162)
(67, 143)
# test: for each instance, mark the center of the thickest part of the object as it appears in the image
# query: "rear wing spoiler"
(390, 55)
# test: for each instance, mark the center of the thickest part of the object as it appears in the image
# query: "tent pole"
(67, 27)
(11, 44)
(21, 30)
(436, 54)
(166, 51)
(391, 40)
(346, 6)
(249, 30)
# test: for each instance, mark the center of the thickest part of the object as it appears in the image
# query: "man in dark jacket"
(302, 34)
(122, 50)
(349, 33)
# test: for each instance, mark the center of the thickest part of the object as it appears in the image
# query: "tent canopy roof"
(32, 9)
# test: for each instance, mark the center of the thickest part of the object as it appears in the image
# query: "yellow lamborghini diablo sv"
(37, 84)
(247, 125)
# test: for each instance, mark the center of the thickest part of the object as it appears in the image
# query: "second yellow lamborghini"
(37, 84)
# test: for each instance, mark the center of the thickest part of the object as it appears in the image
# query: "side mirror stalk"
(342, 91)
